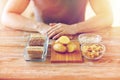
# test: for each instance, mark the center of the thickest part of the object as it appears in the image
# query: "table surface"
(14, 67)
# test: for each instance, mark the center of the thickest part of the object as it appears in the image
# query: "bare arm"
(12, 16)
(102, 19)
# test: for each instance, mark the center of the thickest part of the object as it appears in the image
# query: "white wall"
(2, 3)
(116, 12)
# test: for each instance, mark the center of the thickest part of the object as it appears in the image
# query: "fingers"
(55, 27)
(54, 33)
(54, 30)
(52, 24)
(51, 30)
(57, 35)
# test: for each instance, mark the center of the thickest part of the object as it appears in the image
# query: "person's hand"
(58, 29)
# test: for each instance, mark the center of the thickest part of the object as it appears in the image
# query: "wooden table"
(14, 67)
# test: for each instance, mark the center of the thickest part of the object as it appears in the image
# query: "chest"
(60, 10)
(57, 4)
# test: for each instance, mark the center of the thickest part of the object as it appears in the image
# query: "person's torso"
(60, 11)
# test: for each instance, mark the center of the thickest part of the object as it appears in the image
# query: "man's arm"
(12, 16)
(103, 18)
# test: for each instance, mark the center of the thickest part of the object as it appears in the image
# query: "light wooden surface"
(14, 67)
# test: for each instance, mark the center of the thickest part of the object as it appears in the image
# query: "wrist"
(79, 28)
(75, 27)
(41, 27)
(38, 26)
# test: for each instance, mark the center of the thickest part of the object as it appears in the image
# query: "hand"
(59, 29)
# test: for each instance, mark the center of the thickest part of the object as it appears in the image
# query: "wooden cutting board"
(74, 57)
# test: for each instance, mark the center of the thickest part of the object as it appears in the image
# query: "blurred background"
(115, 5)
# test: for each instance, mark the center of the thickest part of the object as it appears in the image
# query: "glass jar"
(36, 48)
